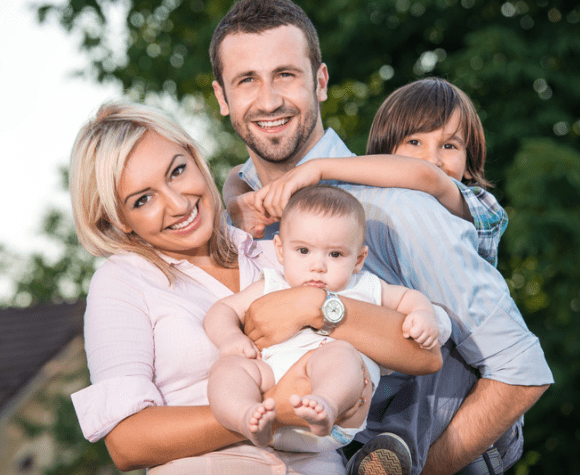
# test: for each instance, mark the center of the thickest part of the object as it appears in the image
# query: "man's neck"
(268, 171)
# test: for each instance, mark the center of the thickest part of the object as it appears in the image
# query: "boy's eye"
(414, 142)
(302, 250)
(335, 254)
(449, 146)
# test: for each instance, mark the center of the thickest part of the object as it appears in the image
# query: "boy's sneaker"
(386, 454)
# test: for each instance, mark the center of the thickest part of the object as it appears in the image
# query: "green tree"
(517, 60)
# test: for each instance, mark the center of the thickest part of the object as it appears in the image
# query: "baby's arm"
(223, 322)
(374, 170)
(419, 323)
(245, 211)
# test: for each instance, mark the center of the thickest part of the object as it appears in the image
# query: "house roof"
(30, 337)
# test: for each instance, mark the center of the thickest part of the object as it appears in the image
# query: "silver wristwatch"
(332, 313)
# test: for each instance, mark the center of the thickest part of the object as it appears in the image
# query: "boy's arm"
(386, 171)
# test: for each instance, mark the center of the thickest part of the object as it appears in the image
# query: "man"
(270, 80)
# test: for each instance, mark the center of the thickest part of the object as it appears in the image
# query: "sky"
(42, 108)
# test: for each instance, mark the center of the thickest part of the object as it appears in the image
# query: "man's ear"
(221, 98)
(278, 248)
(322, 83)
(360, 259)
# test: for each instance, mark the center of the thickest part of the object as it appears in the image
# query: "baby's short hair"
(327, 201)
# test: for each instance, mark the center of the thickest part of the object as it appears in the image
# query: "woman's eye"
(449, 146)
(143, 200)
(177, 171)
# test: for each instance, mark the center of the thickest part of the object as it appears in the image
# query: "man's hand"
(279, 315)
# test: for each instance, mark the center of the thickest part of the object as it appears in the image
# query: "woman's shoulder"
(126, 267)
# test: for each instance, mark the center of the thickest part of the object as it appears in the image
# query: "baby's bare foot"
(316, 411)
(260, 419)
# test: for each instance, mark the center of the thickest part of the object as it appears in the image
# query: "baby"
(321, 244)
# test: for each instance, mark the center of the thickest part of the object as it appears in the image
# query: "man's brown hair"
(257, 16)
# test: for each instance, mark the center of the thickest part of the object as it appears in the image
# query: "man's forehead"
(271, 48)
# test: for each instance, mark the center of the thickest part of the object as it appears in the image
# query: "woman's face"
(165, 199)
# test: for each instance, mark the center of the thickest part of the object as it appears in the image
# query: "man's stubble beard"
(275, 150)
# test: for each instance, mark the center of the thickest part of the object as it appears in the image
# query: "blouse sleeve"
(120, 352)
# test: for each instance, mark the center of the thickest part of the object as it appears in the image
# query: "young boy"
(436, 144)
(321, 243)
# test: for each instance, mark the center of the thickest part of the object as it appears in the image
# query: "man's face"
(270, 93)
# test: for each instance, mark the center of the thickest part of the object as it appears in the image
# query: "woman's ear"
(278, 248)
(360, 259)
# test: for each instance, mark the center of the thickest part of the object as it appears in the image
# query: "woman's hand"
(273, 197)
(279, 315)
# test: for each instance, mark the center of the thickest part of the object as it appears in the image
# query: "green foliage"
(518, 61)
(543, 239)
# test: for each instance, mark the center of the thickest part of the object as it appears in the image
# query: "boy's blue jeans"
(423, 406)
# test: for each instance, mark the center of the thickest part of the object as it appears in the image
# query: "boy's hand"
(422, 327)
(239, 345)
(273, 197)
(247, 216)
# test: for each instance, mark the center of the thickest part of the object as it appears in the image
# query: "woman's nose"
(176, 202)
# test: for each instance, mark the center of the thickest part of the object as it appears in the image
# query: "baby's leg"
(234, 390)
(336, 376)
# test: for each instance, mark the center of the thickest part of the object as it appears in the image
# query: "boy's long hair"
(424, 106)
(257, 16)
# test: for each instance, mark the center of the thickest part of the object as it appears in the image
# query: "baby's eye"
(302, 250)
(335, 254)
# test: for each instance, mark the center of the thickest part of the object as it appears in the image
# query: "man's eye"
(302, 250)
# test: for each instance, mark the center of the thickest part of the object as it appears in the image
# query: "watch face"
(333, 310)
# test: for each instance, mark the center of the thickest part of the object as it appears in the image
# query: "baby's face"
(319, 250)
(444, 147)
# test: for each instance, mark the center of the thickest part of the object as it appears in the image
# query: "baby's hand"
(422, 327)
(240, 345)
(247, 216)
(273, 197)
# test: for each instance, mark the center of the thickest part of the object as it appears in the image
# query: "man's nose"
(269, 97)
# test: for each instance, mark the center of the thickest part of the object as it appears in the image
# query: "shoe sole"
(387, 455)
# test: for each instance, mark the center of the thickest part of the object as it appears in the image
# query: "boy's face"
(319, 250)
(444, 147)
(270, 93)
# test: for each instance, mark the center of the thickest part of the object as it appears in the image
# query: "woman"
(143, 197)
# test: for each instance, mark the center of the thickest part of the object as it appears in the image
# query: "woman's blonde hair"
(98, 158)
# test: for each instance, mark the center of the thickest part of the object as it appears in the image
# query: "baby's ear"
(360, 260)
(278, 248)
